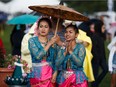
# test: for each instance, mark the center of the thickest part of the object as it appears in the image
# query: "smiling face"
(70, 34)
(43, 28)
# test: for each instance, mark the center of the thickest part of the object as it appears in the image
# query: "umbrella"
(59, 11)
(23, 19)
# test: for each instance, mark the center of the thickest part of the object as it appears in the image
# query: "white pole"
(110, 5)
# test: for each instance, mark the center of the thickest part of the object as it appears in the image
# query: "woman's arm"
(60, 58)
(53, 80)
(78, 58)
(37, 52)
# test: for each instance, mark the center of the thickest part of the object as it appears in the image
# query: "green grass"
(6, 40)
(106, 80)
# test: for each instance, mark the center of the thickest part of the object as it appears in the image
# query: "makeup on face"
(70, 34)
(43, 28)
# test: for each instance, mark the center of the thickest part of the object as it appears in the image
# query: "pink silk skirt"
(45, 78)
(71, 82)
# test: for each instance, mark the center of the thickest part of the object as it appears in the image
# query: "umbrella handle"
(57, 27)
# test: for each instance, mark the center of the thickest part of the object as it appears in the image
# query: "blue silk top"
(75, 60)
(38, 53)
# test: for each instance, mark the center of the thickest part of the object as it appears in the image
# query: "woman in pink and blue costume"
(42, 53)
(70, 59)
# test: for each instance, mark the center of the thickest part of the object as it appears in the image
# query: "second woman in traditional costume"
(70, 59)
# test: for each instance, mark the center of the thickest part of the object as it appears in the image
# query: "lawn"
(106, 80)
(6, 40)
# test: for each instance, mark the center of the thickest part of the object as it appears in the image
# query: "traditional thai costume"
(71, 65)
(42, 64)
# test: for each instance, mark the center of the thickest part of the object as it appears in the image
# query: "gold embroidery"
(81, 52)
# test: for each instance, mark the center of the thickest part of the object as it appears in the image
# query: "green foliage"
(5, 35)
(5, 61)
(88, 6)
(6, 38)
(8, 60)
(1, 58)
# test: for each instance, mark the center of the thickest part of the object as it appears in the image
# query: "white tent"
(22, 5)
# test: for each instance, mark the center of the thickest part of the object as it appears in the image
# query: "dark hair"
(74, 27)
(45, 19)
(98, 25)
(85, 27)
(115, 33)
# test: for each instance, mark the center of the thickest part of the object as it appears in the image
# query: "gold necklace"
(44, 43)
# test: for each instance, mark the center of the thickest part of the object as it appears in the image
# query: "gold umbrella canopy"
(59, 11)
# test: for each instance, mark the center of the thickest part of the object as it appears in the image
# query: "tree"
(88, 6)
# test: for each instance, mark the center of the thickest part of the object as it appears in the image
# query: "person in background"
(86, 41)
(25, 53)
(112, 61)
(43, 54)
(84, 38)
(2, 47)
(2, 53)
(97, 29)
(28, 26)
(70, 59)
(60, 31)
(16, 38)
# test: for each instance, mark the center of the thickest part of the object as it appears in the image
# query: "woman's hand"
(50, 43)
(64, 45)
(66, 51)
(53, 80)
(70, 47)
(53, 40)
(58, 41)
(85, 43)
